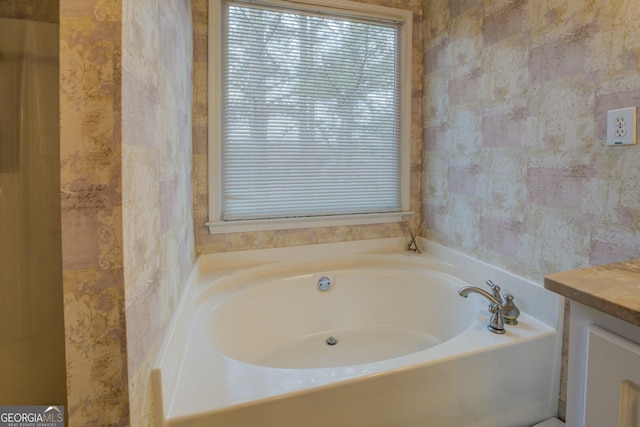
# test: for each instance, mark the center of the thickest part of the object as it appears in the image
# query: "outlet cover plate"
(621, 126)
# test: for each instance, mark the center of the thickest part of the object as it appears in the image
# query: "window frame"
(218, 226)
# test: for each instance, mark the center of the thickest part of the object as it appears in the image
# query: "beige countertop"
(613, 288)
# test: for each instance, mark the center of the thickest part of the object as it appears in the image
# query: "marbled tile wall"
(90, 179)
(207, 243)
(157, 198)
(514, 168)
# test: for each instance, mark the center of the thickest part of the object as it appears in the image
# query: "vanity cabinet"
(604, 370)
(603, 385)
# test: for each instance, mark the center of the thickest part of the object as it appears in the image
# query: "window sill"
(222, 227)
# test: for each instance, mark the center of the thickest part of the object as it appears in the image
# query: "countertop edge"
(580, 286)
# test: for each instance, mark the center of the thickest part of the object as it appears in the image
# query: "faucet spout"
(464, 292)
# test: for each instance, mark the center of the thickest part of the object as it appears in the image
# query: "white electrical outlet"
(621, 126)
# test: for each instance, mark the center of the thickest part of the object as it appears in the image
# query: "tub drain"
(332, 341)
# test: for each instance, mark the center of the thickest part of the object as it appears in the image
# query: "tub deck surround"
(196, 382)
(612, 288)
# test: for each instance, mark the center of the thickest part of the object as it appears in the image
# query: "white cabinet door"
(612, 394)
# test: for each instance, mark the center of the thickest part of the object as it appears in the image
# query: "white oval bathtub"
(248, 345)
(373, 312)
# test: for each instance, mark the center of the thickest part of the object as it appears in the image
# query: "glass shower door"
(32, 362)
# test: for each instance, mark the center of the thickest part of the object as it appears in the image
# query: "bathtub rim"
(166, 370)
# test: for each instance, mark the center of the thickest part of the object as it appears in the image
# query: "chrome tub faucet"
(502, 310)
(496, 322)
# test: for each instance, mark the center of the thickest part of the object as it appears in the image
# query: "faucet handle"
(496, 322)
(510, 311)
(496, 290)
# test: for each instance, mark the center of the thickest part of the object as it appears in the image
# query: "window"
(309, 114)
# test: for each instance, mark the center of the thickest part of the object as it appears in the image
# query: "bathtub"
(256, 342)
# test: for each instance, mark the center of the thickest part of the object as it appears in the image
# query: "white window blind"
(311, 113)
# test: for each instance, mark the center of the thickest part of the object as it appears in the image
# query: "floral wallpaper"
(515, 171)
(90, 174)
(207, 243)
